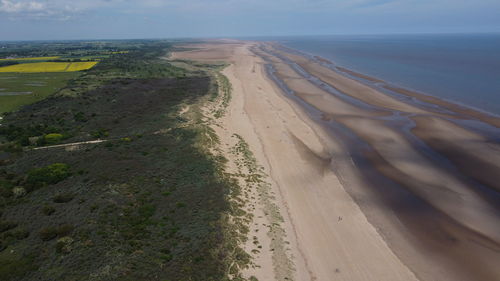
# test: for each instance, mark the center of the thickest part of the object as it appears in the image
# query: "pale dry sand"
(330, 237)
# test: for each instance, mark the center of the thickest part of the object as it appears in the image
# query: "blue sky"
(115, 19)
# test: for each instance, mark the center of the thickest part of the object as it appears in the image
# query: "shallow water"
(460, 68)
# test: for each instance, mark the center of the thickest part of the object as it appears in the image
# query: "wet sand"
(373, 185)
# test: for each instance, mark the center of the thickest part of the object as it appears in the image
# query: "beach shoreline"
(381, 84)
(355, 168)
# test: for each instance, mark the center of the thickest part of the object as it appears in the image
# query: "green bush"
(15, 268)
(80, 117)
(63, 245)
(6, 225)
(63, 198)
(6, 187)
(48, 210)
(5, 192)
(51, 174)
(53, 138)
(18, 234)
(101, 133)
(51, 232)
(147, 210)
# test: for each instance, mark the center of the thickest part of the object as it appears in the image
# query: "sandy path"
(330, 238)
(74, 144)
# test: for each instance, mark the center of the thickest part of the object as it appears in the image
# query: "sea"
(463, 68)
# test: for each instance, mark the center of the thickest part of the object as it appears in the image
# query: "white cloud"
(8, 6)
(66, 9)
(51, 9)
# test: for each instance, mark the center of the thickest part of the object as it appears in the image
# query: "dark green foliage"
(20, 233)
(7, 63)
(63, 197)
(101, 133)
(50, 174)
(80, 117)
(147, 210)
(21, 134)
(6, 188)
(16, 267)
(151, 207)
(51, 232)
(48, 210)
(6, 225)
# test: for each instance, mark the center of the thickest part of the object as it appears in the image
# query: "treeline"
(7, 63)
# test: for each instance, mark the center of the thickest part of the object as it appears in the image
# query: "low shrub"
(80, 117)
(147, 210)
(19, 192)
(48, 210)
(53, 138)
(101, 133)
(6, 187)
(63, 198)
(6, 225)
(15, 268)
(63, 245)
(50, 174)
(18, 234)
(51, 232)
(5, 192)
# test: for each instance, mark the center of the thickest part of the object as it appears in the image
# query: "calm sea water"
(461, 68)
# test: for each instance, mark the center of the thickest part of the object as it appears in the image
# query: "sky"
(124, 19)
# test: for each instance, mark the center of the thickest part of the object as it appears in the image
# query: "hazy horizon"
(126, 19)
(258, 37)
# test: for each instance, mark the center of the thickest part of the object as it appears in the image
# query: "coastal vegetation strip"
(153, 203)
(255, 178)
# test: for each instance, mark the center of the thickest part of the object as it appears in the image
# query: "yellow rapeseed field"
(77, 66)
(49, 67)
(31, 58)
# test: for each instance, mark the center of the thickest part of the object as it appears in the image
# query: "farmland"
(17, 89)
(30, 59)
(49, 67)
(32, 71)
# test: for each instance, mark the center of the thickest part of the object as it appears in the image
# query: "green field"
(18, 89)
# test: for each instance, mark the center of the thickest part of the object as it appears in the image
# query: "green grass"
(41, 85)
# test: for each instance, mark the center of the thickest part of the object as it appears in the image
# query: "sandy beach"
(370, 187)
